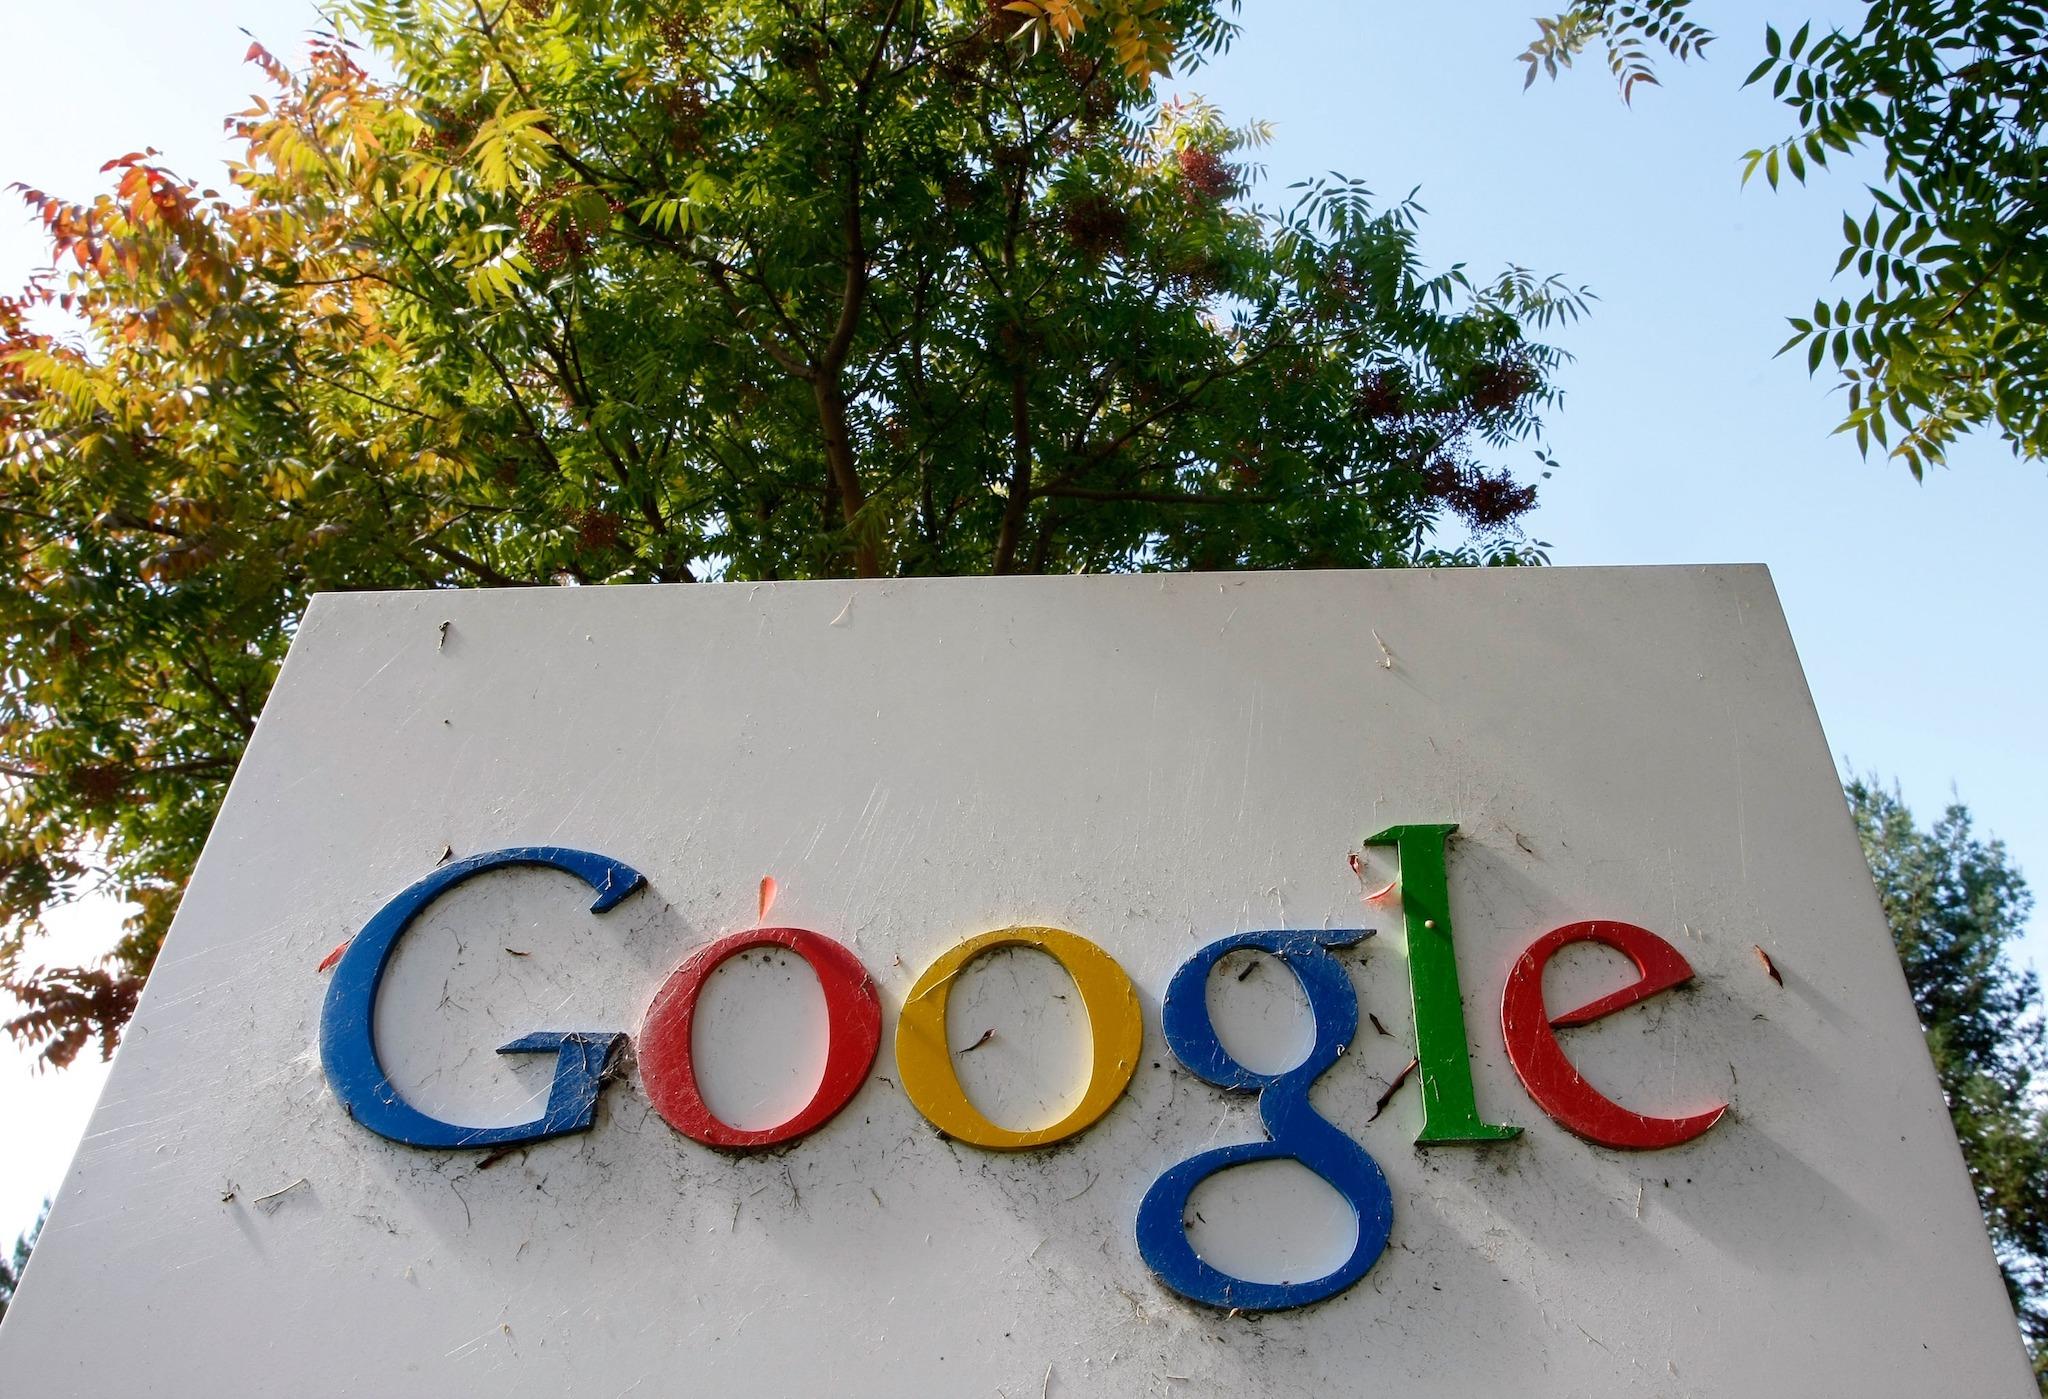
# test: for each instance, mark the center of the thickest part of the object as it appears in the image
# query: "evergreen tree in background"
(1955, 904)
(11, 1268)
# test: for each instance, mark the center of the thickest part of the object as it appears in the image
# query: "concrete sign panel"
(1425, 983)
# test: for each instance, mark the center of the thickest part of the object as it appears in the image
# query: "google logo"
(1294, 1130)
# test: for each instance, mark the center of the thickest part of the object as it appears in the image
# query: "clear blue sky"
(1918, 608)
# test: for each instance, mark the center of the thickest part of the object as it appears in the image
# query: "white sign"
(1412, 983)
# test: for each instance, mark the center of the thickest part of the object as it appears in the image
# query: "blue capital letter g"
(348, 1045)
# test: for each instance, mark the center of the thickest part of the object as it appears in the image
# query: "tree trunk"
(839, 461)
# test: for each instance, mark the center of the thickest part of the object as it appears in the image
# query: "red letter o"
(853, 1013)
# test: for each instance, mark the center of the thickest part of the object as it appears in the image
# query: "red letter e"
(1558, 1088)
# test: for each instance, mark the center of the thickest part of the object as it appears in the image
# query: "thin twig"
(285, 1191)
(1393, 1088)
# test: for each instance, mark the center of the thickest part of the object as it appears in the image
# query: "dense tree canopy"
(1956, 904)
(616, 290)
(1946, 326)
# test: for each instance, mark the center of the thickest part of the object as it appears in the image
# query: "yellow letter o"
(1116, 1032)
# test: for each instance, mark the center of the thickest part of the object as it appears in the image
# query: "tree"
(1946, 329)
(617, 290)
(12, 1269)
(1956, 904)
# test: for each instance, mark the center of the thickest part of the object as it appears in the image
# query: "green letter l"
(1450, 1113)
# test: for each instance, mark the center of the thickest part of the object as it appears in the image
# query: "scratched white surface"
(1152, 762)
